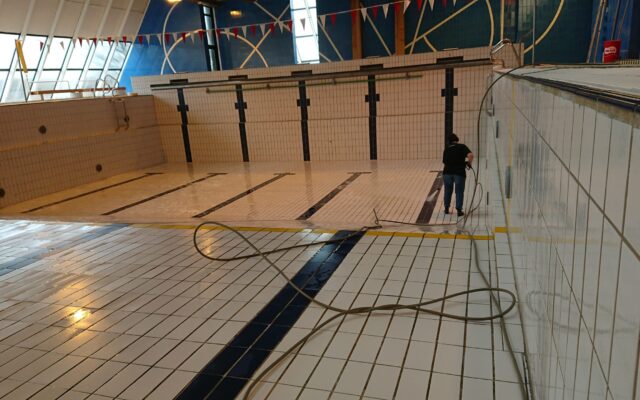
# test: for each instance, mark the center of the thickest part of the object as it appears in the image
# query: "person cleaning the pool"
(456, 157)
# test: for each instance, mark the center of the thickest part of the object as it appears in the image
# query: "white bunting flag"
(193, 36)
(175, 37)
(281, 24)
(148, 37)
(304, 23)
(244, 30)
(385, 9)
(262, 27)
(323, 18)
(227, 32)
(159, 36)
(363, 10)
(74, 42)
(454, 2)
(62, 45)
(407, 3)
(431, 4)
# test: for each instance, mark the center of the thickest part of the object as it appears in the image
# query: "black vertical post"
(304, 103)
(449, 92)
(183, 108)
(372, 98)
(241, 105)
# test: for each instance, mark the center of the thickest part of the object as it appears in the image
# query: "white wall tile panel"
(574, 197)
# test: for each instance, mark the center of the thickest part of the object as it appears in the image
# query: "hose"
(419, 307)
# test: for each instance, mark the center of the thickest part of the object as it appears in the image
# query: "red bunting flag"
(444, 3)
(272, 27)
(109, 39)
(41, 45)
(218, 32)
(184, 37)
(252, 28)
(290, 25)
(397, 7)
(124, 39)
(235, 32)
(141, 39)
(333, 18)
(374, 11)
(201, 34)
(354, 16)
(95, 41)
(419, 4)
(167, 38)
(80, 41)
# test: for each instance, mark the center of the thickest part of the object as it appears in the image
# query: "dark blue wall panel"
(146, 59)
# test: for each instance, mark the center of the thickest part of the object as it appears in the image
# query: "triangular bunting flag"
(262, 26)
(244, 30)
(80, 41)
(167, 37)
(140, 39)
(431, 4)
(407, 3)
(303, 22)
(281, 26)
(397, 7)
(272, 27)
(419, 2)
(41, 45)
(95, 41)
(323, 20)
(124, 39)
(252, 29)
(235, 32)
(333, 18)
(444, 3)
(363, 10)
(159, 37)
(227, 33)
(175, 36)
(148, 39)
(374, 11)
(109, 39)
(201, 34)
(385, 10)
(454, 3)
(62, 45)
(184, 36)
(193, 37)
(289, 25)
(75, 41)
(218, 32)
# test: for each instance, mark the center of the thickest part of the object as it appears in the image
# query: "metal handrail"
(499, 46)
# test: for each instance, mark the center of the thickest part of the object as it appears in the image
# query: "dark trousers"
(449, 182)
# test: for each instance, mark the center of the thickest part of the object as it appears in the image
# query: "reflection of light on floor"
(79, 315)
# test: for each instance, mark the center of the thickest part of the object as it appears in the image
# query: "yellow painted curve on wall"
(551, 25)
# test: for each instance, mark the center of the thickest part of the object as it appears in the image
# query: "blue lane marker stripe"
(229, 371)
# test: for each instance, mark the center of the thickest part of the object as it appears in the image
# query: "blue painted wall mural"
(563, 30)
(148, 58)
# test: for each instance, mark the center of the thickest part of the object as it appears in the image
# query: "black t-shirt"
(454, 159)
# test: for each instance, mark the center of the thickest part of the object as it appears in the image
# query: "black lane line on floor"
(56, 247)
(226, 375)
(184, 124)
(304, 103)
(241, 195)
(449, 92)
(373, 98)
(316, 207)
(430, 202)
(92, 192)
(166, 192)
(241, 105)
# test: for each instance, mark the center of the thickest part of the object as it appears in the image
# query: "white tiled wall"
(410, 122)
(79, 135)
(575, 233)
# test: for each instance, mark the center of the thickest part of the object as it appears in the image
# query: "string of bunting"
(282, 25)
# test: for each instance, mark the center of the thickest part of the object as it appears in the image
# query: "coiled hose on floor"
(419, 307)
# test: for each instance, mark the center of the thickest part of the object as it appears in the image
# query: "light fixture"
(235, 13)
(173, 1)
